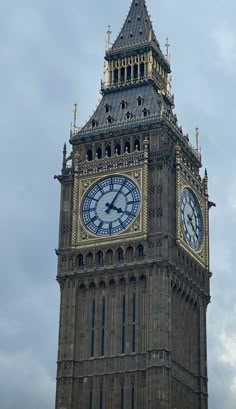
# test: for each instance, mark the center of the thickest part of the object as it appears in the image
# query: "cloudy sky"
(52, 55)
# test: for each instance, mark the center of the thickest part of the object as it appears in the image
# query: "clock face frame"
(110, 206)
(191, 219)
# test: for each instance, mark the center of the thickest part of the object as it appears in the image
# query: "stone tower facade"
(133, 263)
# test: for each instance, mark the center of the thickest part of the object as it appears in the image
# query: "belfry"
(133, 254)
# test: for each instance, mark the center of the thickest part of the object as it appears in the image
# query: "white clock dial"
(110, 206)
(191, 218)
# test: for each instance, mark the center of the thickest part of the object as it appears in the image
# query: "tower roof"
(130, 114)
(137, 28)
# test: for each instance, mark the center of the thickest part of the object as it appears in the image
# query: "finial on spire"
(109, 32)
(167, 45)
(197, 138)
(64, 157)
(64, 149)
(75, 110)
(170, 85)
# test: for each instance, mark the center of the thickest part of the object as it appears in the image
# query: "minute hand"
(194, 229)
(113, 201)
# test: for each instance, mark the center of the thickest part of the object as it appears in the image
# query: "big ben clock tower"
(133, 264)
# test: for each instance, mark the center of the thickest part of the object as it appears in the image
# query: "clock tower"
(133, 255)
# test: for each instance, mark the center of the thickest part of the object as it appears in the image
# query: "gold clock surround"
(186, 179)
(139, 176)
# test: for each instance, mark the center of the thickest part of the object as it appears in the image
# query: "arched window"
(109, 256)
(145, 112)
(142, 279)
(80, 260)
(115, 75)
(129, 115)
(112, 283)
(123, 104)
(94, 123)
(71, 261)
(99, 153)
(140, 251)
(122, 74)
(122, 282)
(142, 70)
(89, 155)
(82, 287)
(109, 120)
(89, 259)
(129, 73)
(108, 108)
(132, 280)
(140, 101)
(108, 151)
(102, 285)
(92, 286)
(135, 71)
(99, 257)
(120, 254)
(129, 253)
(117, 149)
(127, 147)
(137, 145)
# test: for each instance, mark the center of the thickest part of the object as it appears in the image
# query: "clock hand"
(190, 218)
(110, 206)
(118, 210)
(194, 230)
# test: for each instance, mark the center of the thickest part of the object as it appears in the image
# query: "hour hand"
(118, 210)
(109, 206)
(112, 207)
(190, 218)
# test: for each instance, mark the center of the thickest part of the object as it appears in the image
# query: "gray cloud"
(51, 55)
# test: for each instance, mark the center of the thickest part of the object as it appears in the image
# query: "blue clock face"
(191, 218)
(110, 206)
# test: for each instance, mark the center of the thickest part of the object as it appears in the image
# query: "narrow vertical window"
(101, 399)
(134, 324)
(103, 325)
(91, 400)
(132, 396)
(122, 397)
(123, 323)
(93, 328)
